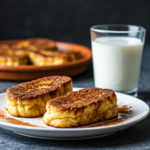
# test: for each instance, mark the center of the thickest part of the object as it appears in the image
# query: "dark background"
(68, 20)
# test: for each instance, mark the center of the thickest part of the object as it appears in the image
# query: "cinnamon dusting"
(4, 118)
(124, 112)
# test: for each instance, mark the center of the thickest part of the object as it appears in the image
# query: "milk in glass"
(117, 62)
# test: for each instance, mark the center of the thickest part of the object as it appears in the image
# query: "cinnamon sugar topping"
(4, 118)
(81, 98)
(35, 88)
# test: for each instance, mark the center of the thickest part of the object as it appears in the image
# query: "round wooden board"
(29, 72)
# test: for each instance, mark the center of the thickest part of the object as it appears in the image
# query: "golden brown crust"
(29, 99)
(45, 57)
(88, 123)
(42, 43)
(3, 56)
(12, 55)
(51, 54)
(7, 47)
(37, 44)
(82, 107)
(80, 99)
(37, 51)
(39, 87)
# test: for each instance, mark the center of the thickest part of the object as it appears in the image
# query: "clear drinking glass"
(117, 54)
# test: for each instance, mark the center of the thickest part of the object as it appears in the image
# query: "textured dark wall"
(68, 20)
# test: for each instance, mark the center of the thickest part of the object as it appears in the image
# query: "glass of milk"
(117, 54)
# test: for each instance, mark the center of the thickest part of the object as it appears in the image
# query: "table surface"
(136, 137)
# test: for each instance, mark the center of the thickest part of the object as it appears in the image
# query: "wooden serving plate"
(29, 72)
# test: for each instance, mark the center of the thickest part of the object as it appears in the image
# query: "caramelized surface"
(36, 51)
(82, 107)
(29, 99)
(35, 88)
(11, 55)
(81, 98)
(51, 54)
(45, 58)
(38, 44)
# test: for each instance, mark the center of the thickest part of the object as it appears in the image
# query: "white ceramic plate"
(141, 110)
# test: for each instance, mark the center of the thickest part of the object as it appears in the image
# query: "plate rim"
(80, 129)
(68, 138)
